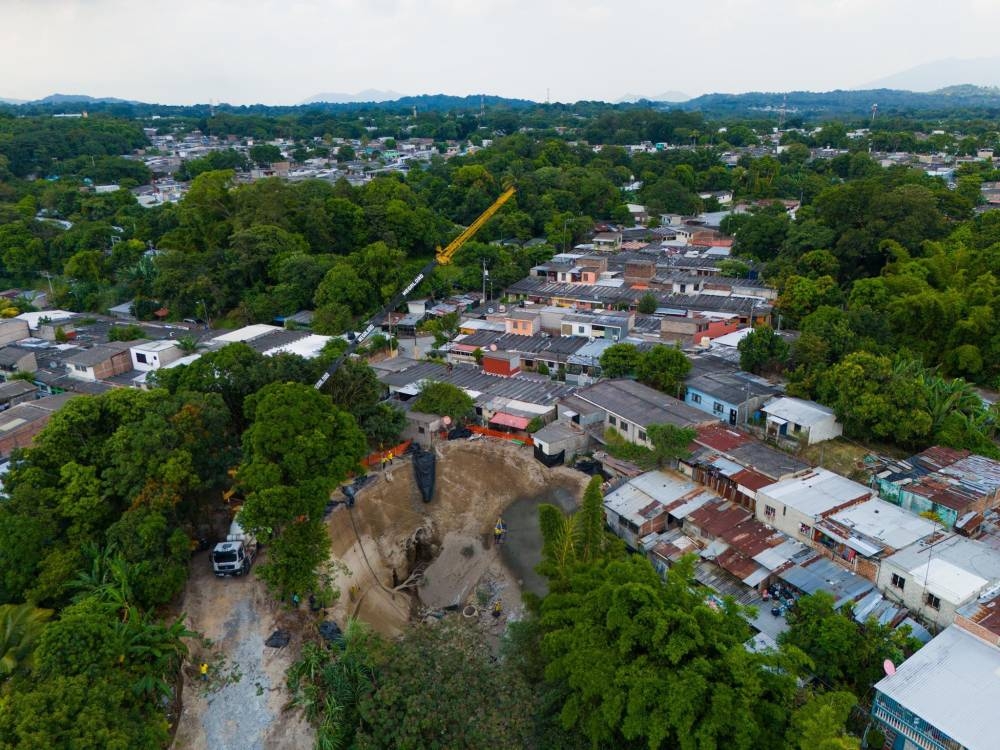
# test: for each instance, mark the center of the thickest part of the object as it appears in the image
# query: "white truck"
(234, 556)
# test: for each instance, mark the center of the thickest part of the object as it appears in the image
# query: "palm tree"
(946, 397)
(188, 344)
(21, 626)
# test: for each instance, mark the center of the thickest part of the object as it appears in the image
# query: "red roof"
(752, 480)
(509, 420)
(735, 563)
(721, 438)
(716, 518)
(751, 537)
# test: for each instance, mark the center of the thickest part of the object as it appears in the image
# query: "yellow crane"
(443, 256)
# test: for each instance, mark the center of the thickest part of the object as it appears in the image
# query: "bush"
(130, 332)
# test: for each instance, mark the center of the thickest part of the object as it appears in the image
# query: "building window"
(623, 425)
(79, 368)
(611, 420)
(932, 601)
(140, 357)
(769, 512)
(804, 529)
(718, 408)
(421, 430)
(898, 581)
(579, 329)
(695, 398)
(796, 428)
(642, 435)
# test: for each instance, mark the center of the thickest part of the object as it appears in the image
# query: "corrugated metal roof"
(953, 684)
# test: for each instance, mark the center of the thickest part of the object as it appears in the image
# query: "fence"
(375, 459)
(518, 437)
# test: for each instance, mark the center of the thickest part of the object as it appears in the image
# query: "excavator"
(441, 257)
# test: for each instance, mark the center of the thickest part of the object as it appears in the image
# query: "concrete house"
(944, 697)
(14, 392)
(152, 355)
(859, 537)
(796, 505)
(935, 577)
(800, 419)
(13, 329)
(730, 398)
(631, 407)
(100, 362)
(16, 359)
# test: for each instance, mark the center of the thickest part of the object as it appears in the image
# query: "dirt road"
(240, 707)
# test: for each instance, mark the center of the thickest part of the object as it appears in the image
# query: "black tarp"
(553, 460)
(423, 469)
(278, 639)
(330, 631)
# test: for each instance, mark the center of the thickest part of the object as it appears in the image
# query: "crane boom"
(442, 257)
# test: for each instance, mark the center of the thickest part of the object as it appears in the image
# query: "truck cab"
(230, 559)
(234, 556)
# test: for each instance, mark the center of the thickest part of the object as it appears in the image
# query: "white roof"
(797, 410)
(816, 492)
(886, 522)
(948, 581)
(731, 339)
(34, 318)
(155, 346)
(182, 361)
(308, 347)
(953, 683)
(246, 333)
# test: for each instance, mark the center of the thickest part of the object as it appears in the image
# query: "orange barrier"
(375, 459)
(521, 437)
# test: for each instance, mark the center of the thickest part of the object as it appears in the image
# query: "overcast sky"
(283, 51)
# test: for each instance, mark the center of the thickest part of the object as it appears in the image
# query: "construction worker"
(497, 608)
(203, 670)
(499, 531)
(390, 457)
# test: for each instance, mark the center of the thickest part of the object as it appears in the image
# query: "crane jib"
(413, 284)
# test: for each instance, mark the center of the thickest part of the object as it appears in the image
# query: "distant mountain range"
(368, 95)
(674, 97)
(945, 73)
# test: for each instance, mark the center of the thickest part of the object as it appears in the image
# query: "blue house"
(729, 397)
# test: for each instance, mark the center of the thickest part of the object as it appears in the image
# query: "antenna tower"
(874, 112)
(783, 111)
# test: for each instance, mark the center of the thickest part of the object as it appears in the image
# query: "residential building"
(21, 423)
(152, 355)
(15, 359)
(504, 364)
(649, 503)
(938, 575)
(860, 536)
(732, 398)
(631, 408)
(803, 420)
(13, 329)
(947, 482)
(559, 440)
(523, 322)
(943, 697)
(100, 362)
(794, 506)
(14, 392)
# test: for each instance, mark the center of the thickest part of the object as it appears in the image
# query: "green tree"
(476, 702)
(762, 350)
(663, 368)
(619, 639)
(819, 723)
(647, 304)
(445, 400)
(670, 442)
(264, 154)
(619, 360)
(298, 447)
(20, 628)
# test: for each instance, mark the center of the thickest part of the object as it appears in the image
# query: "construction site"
(398, 561)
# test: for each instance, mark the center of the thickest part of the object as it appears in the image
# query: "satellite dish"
(493, 347)
(889, 667)
(446, 420)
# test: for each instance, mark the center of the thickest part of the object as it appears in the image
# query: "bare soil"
(400, 560)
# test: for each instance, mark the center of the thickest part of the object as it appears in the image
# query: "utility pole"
(486, 276)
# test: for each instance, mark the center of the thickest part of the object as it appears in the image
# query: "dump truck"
(234, 556)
